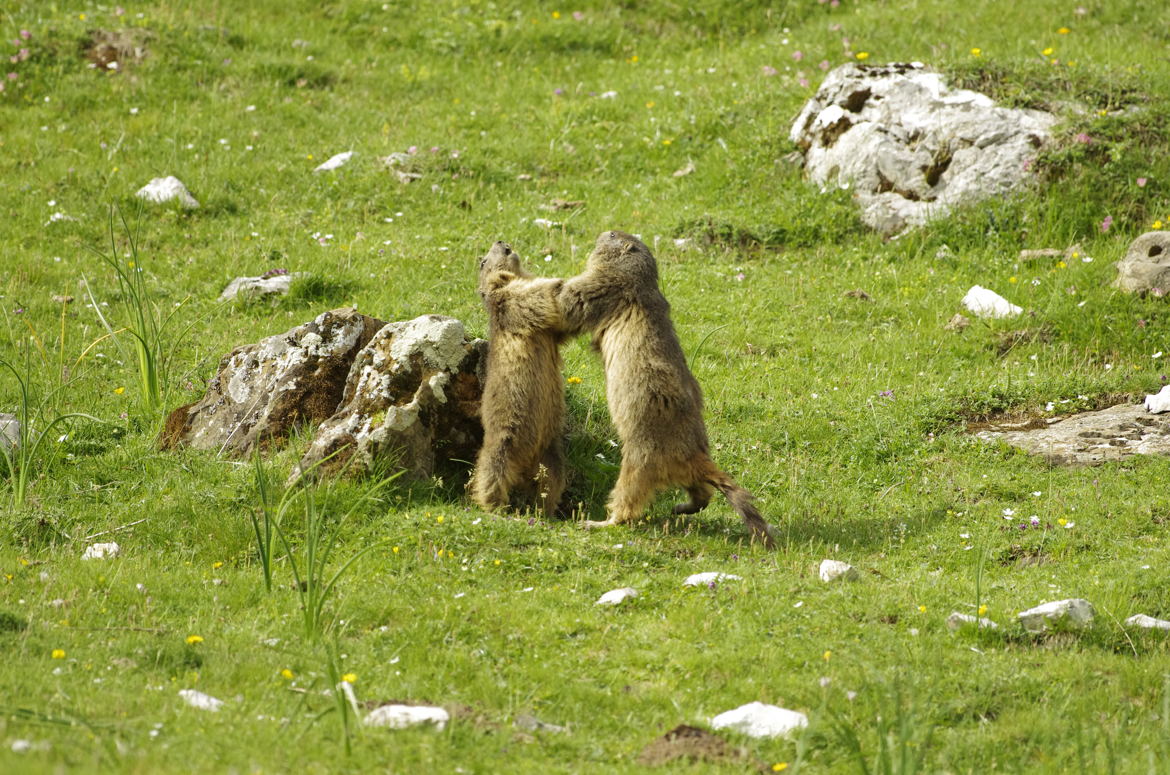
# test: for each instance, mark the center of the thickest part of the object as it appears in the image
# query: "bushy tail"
(744, 504)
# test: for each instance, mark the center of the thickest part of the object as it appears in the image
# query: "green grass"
(792, 369)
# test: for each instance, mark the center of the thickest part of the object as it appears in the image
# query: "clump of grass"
(146, 323)
(22, 452)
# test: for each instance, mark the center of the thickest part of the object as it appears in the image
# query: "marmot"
(654, 400)
(523, 405)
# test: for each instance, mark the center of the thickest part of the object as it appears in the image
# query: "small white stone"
(101, 551)
(197, 699)
(1160, 401)
(832, 570)
(9, 431)
(986, 303)
(335, 161)
(700, 579)
(957, 620)
(1147, 622)
(260, 286)
(1074, 613)
(617, 596)
(402, 716)
(21, 746)
(161, 190)
(759, 720)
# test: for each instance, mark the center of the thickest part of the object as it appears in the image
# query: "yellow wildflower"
(1157, 224)
(1061, 265)
(58, 654)
(119, 390)
(286, 674)
(350, 678)
(779, 766)
(1062, 521)
(193, 639)
(982, 610)
(1047, 52)
(921, 609)
(862, 56)
(826, 655)
(975, 52)
(439, 519)
(1063, 31)
(574, 380)
(1013, 279)
(217, 564)
(395, 550)
(556, 14)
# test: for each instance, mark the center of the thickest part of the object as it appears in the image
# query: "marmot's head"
(619, 253)
(501, 258)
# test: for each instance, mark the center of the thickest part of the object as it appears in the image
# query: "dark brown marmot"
(654, 400)
(523, 406)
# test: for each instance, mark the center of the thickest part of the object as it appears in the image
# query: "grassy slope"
(890, 485)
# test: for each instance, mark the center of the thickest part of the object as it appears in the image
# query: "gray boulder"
(911, 147)
(1088, 438)
(411, 399)
(1146, 266)
(262, 391)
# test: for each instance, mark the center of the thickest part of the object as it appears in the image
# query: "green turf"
(494, 615)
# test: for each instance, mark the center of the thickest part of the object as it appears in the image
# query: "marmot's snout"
(505, 247)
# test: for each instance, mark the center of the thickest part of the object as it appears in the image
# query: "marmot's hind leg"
(634, 489)
(700, 494)
(494, 477)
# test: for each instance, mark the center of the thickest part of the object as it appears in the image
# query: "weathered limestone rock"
(1071, 614)
(1089, 438)
(161, 190)
(412, 397)
(986, 303)
(759, 720)
(617, 596)
(264, 285)
(9, 431)
(101, 551)
(262, 391)
(910, 147)
(1146, 266)
(709, 577)
(403, 716)
(835, 570)
(958, 620)
(1145, 622)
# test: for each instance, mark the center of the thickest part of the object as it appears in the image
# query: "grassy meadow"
(846, 417)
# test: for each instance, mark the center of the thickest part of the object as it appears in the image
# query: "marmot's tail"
(744, 504)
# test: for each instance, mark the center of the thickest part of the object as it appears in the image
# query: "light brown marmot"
(523, 405)
(654, 400)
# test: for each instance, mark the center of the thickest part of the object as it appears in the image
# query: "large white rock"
(1074, 613)
(197, 699)
(402, 716)
(101, 551)
(259, 286)
(1147, 622)
(759, 720)
(702, 579)
(834, 570)
(986, 303)
(335, 161)
(1157, 403)
(911, 147)
(617, 596)
(160, 190)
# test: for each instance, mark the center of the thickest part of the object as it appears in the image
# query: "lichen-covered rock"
(1146, 266)
(1072, 614)
(170, 188)
(411, 399)
(911, 147)
(1089, 438)
(262, 391)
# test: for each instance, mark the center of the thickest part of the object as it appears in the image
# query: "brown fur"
(654, 400)
(523, 407)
